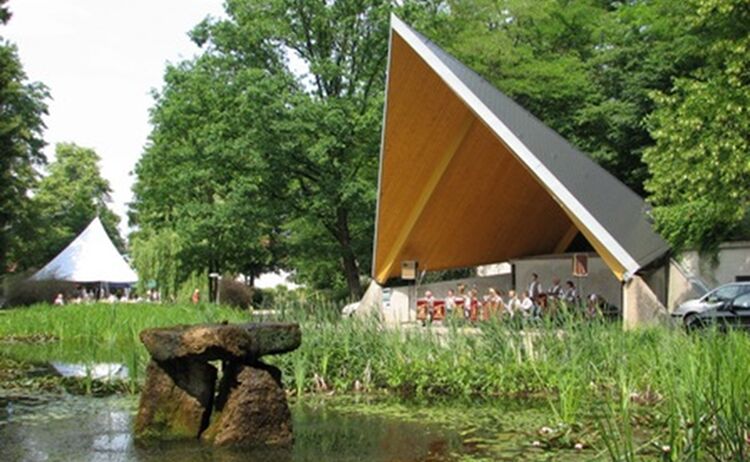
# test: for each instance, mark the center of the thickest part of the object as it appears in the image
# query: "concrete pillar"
(641, 306)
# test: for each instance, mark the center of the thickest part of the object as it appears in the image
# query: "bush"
(21, 291)
(235, 293)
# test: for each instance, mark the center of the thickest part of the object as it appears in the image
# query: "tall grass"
(655, 392)
(98, 333)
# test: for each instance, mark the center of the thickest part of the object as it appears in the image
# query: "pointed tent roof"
(91, 257)
(469, 177)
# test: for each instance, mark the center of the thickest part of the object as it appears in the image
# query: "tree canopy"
(63, 203)
(264, 148)
(22, 105)
(700, 163)
(289, 94)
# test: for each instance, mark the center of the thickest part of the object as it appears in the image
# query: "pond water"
(99, 429)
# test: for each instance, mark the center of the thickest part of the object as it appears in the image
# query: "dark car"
(728, 305)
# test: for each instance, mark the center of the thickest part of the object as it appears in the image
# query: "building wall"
(681, 288)
(733, 261)
(600, 280)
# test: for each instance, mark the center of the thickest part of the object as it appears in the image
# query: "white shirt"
(526, 305)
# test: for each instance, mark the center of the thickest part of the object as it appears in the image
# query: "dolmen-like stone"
(181, 397)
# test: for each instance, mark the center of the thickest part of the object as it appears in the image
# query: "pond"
(99, 429)
(67, 427)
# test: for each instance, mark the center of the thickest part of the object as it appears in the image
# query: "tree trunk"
(349, 260)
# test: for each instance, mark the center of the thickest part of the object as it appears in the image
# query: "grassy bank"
(100, 333)
(656, 393)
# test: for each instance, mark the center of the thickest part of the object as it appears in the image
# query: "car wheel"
(693, 322)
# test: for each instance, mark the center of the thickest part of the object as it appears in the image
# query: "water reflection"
(99, 429)
(101, 371)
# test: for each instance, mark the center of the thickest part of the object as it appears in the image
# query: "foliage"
(185, 292)
(290, 95)
(64, 203)
(101, 333)
(235, 293)
(156, 258)
(198, 180)
(22, 106)
(21, 291)
(700, 174)
(648, 389)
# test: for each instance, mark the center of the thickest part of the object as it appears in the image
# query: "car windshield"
(723, 293)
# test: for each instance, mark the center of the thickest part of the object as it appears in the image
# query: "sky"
(100, 61)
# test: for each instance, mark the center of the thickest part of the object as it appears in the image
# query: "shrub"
(235, 293)
(21, 291)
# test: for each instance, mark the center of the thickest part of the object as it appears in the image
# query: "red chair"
(438, 313)
(458, 311)
(474, 310)
(422, 308)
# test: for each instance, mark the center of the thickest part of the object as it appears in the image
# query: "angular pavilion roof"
(469, 177)
(91, 257)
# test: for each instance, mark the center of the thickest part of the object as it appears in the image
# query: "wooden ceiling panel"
(451, 193)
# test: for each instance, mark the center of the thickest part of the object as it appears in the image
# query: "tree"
(64, 203)
(585, 68)
(22, 105)
(199, 177)
(700, 168)
(325, 171)
(292, 93)
(156, 258)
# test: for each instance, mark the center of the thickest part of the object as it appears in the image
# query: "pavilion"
(468, 177)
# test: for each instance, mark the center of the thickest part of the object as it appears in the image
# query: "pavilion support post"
(641, 307)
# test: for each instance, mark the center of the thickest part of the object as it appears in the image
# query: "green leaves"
(63, 204)
(700, 167)
(22, 106)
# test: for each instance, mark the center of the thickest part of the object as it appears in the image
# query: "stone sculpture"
(182, 399)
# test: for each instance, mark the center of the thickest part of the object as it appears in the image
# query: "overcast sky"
(100, 59)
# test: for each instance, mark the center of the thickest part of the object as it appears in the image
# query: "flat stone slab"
(208, 342)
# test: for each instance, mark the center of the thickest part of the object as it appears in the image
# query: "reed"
(655, 392)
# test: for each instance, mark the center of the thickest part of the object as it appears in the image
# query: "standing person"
(571, 294)
(196, 298)
(556, 291)
(465, 300)
(473, 305)
(450, 303)
(535, 287)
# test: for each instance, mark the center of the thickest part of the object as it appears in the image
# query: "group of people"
(534, 302)
(82, 295)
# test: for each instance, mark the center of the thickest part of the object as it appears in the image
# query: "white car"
(713, 305)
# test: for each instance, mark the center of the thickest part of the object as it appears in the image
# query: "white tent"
(91, 257)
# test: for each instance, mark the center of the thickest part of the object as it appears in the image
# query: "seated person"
(526, 305)
(512, 306)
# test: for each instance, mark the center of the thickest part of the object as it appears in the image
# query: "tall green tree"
(66, 200)
(324, 171)
(22, 106)
(585, 68)
(199, 177)
(700, 164)
(298, 118)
